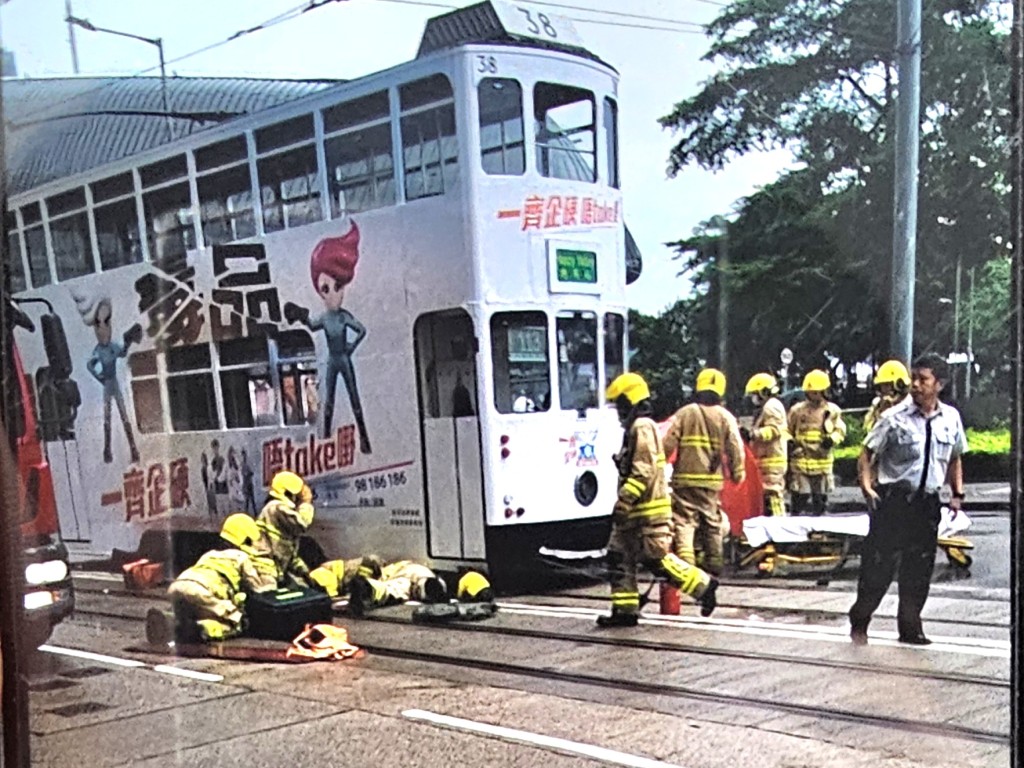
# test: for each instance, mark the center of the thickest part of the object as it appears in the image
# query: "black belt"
(905, 490)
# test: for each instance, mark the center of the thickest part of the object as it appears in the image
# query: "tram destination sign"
(576, 266)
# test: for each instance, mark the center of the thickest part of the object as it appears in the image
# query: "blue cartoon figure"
(97, 312)
(332, 268)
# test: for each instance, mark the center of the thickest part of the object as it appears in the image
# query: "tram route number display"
(529, 22)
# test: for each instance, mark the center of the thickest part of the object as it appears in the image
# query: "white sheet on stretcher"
(791, 530)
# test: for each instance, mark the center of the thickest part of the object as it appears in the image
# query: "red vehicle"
(48, 595)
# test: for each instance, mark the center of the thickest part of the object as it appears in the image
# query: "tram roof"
(57, 127)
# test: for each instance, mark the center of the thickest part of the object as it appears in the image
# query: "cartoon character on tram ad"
(97, 312)
(332, 267)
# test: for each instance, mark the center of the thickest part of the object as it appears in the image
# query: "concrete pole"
(956, 319)
(904, 236)
(71, 37)
(723, 300)
(970, 336)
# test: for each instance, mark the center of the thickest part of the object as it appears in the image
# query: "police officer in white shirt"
(916, 449)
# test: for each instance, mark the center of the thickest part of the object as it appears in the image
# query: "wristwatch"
(960, 496)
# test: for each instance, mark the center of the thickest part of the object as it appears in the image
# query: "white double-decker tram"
(408, 288)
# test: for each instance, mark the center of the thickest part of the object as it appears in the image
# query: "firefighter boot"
(159, 627)
(365, 594)
(708, 600)
(693, 581)
(618, 619)
(212, 630)
(435, 591)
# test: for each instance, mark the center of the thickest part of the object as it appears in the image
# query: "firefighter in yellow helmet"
(209, 597)
(768, 437)
(370, 584)
(287, 515)
(642, 517)
(892, 382)
(701, 434)
(816, 426)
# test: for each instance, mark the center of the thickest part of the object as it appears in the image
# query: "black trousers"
(903, 533)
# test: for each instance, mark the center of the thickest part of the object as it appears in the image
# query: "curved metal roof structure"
(58, 127)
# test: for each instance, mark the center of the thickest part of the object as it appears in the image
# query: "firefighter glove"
(745, 434)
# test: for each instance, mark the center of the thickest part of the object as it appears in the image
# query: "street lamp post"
(156, 41)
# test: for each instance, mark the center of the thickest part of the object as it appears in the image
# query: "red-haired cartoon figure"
(332, 267)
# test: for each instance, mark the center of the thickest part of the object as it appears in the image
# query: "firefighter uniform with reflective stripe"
(699, 435)
(768, 438)
(816, 428)
(880, 405)
(641, 522)
(282, 530)
(212, 592)
(335, 576)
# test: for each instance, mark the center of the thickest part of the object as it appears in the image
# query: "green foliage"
(665, 354)
(806, 260)
(988, 441)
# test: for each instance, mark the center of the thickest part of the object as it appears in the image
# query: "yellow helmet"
(816, 381)
(893, 372)
(240, 530)
(327, 579)
(759, 383)
(711, 380)
(474, 588)
(287, 487)
(632, 385)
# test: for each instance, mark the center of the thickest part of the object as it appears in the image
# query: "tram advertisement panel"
(204, 373)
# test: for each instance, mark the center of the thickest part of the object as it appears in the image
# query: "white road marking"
(526, 737)
(99, 576)
(119, 662)
(975, 646)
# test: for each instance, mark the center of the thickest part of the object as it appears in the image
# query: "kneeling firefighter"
(473, 599)
(371, 585)
(287, 515)
(208, 598)
(642, 516)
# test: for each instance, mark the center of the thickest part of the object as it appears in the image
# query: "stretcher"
(833, 539)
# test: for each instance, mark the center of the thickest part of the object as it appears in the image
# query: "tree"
(664, 352)
(809, 255)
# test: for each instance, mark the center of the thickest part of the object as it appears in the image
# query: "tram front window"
(519, 352)
(577, 360)
(614, 346)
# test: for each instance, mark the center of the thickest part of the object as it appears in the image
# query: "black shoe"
(159, 627)
(708, 601)
(618, 620)
(918, 639)
(859, 635)
(360, 596)
(434, 591)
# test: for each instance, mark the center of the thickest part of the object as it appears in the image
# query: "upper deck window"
(35, 245)
(502, 148)
(565, 132)
(168, 208)
(429, 147)
(519, 354)
(17, 267)
(614, 346)
(116, 220)
(611, 141)
(359, 150)
(290, 179)
(69, 234)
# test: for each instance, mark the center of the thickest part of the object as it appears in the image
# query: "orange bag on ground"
(323, 641)
(142, 574)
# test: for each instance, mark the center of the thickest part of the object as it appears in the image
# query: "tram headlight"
(49, 572)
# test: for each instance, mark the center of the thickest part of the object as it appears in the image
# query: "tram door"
(72, 507)
(450, 428)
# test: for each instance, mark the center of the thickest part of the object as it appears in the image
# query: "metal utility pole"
(970, 336)
(721, 289)
(904, 236)
(956, 320)
(71, 36)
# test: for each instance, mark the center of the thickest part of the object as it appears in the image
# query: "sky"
(656, 45)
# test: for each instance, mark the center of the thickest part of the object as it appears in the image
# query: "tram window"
(300, 393)
(289, 189)
(117, 233)
(365, 109)
(72, 248)
(361, 169)
(614, 346)
(225, 205)
(115, 186)
(285, 133)
(65, 202)
(190, 388)
(428, 90)
(430, 152)
(246, 388)
(519, 355)
(169, 228)
(577, 360)
(502, 147)
(294, 345)
(165, 170)
(564, 123)
(38, 264)
(149, 407)
(222, 153)
(611, 141)
(17, 268)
